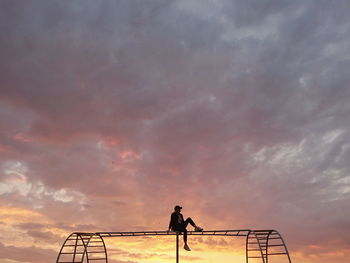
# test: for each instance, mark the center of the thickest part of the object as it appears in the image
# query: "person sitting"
(177, 223)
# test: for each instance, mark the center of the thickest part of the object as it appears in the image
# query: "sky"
(113, 112)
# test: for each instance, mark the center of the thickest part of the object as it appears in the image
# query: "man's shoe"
(187, 247)
(198, 229)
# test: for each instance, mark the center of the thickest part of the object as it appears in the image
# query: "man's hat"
(177, 207)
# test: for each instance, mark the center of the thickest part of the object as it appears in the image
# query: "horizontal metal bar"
(71, 253)
(235, 232)
(216, 234)
(173, 233)
(279, 245)
(169, 232)
(74, 246)
(192, 234)
(262, 245)
(231, 230)
(95, 246)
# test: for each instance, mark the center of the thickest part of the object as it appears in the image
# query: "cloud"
(29, 225)
(22, 254)
(113, 112)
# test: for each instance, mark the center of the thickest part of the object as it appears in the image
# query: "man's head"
(177, 208)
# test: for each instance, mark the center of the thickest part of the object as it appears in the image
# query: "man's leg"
(182, 229)
(189, 220)
(186, 247)
(185, 235)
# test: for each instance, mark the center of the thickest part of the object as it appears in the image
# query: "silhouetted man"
(177, 223)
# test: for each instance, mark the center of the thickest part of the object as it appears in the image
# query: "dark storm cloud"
(241, 106)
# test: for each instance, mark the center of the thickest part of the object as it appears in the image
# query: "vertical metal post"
(177, 247)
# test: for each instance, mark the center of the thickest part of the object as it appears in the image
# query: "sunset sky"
(112, 112)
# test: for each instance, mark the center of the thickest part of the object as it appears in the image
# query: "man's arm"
(172, 220)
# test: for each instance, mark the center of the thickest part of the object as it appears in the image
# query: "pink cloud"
(115, 112)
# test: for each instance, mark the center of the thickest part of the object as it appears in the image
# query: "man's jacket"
(175, 220)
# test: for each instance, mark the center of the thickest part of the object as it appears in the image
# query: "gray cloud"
(242, 107)
(21, 254)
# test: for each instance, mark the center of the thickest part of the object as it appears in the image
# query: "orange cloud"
(15, 215)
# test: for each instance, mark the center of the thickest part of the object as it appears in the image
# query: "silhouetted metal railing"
(260, 244)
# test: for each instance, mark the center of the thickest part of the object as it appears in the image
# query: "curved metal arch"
(62, 247)
(79, 246)
(268, 243)
(73, 249)
(279, 237)
(95, 249)
(255, 245)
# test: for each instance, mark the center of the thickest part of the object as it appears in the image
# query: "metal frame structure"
(260, 244)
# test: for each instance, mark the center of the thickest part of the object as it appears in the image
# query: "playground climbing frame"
(90, 247)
